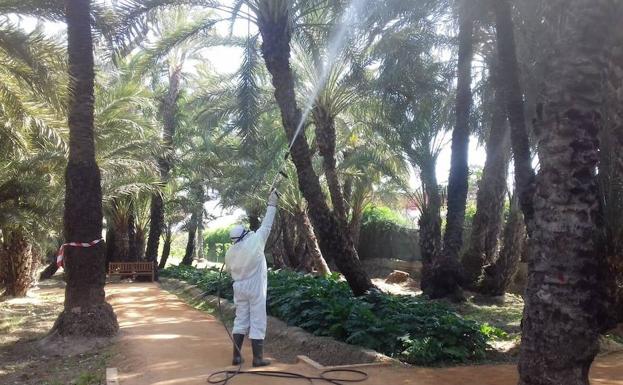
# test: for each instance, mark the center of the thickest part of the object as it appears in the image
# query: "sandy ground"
(28, 356)
(163, 341)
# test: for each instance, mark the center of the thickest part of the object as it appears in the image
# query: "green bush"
(410, 328)
(216, 242)
(383, 215)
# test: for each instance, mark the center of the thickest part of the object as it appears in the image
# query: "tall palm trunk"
(190, 244)
(122, 243)
(169, 115)
(140, 243)
(16, 258)
(307, 230)
(133, 248)
(354, 226)
(459, 168)
(432, 281)
(565, 298)
(86, 312)
(166, 248)
(335, 241)
(513, 96)
(499, 275)
(611, 175)
(200, 252)
(288, 234)
(487, 223)
(51, 268)
(325, 137)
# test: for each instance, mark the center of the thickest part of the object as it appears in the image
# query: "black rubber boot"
(238, 340)
(258, 353)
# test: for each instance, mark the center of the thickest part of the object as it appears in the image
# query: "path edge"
(372, 357)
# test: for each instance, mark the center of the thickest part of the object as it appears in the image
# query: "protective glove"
(273, 199)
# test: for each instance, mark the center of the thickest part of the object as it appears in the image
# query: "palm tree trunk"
(325, 137)
(459, 168)
(199, 247)
(312, 244)
(49, 271)
(86, 312)
(190, 244)
(133, 249)
(17, 263)
(438, 275)
(169, 113)
(319, 262)
(565, 298)
(513, 96)
(288, 238)
(335, 241)
(122, 243)
(166, 248)
(156, 222)
(430, 220)
(354, 226)
(499, 275)
(487, 223)
(611, 175)
(140, 242)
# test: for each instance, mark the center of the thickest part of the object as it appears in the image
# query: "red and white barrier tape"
(61, 252)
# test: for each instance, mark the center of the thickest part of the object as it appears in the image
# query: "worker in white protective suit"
(246, 263)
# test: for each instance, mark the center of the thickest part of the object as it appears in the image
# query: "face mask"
(240, 238)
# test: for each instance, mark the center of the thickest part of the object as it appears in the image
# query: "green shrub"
(380, 214)
(410, 328)
(216, 243)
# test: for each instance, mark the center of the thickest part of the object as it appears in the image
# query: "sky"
(227, 60)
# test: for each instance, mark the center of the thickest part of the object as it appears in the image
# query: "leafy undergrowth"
(409, 328)
(26, 358)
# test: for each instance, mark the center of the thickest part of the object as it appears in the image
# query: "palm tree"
(566, 301)
(487, 224)
(178, 32)
(416, 90)
(274, 20)
(86, 311)
(448, 264)
(32, 136)
(513, 96)
(126, 131)
(499, 274)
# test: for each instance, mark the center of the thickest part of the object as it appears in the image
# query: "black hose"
(227, 375)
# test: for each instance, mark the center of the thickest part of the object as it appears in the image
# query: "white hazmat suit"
(246, 263)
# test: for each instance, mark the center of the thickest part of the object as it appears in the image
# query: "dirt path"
(163, 341)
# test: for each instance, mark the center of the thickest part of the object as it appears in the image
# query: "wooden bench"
(131, 268)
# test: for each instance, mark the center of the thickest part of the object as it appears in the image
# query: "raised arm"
(269, 218)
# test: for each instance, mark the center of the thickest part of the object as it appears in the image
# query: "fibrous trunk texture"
(86, 312)
(499, 275)
(16, 258)
(565, 300)
(513, 96)
(335, 242)
(459, 168)
(482, 248)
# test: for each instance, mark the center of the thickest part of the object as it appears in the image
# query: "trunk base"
(443, 280)
(96, 321)
(49, 271)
